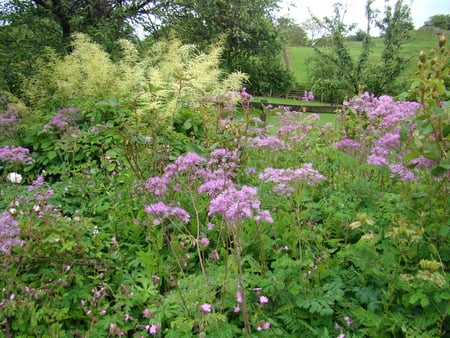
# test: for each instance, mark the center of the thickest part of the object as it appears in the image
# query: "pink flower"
(214, 255)
(237, 308)
(204, 241)
(152, 329)
(263, 326)
(239, 296)
(263, 300)
(147, 313)
(348, 321)
(206, 308)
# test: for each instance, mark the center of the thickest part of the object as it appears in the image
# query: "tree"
(292, 34)
(347, 75)
(252, 43)
(333, 72)
(439, 20)
(30, 26)
(395, 27)
(314, 29)
(104, 20)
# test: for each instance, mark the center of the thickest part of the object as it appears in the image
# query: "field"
(419, 40)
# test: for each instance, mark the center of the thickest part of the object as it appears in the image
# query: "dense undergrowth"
(120, 221)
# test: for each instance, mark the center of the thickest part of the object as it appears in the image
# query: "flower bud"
(422, 56)
(442, 41)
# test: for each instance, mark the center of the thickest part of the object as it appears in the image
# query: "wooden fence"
(326, 109)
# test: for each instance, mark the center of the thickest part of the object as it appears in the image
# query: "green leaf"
(427, 129)
(404, 134)
(439, 112)
(446, 130)
(187, 125)
(438, 170)
(415, 84)
(432, 151)
(445, 163)
(424, 302)
(52, 154)
(113, 153)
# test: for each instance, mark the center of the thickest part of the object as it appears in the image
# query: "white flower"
(14, 178)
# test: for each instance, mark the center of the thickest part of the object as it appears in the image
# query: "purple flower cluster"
(190, 163)
(383, 147)
(403, 173)
(9, 120)
(235, 205)
(346, 144)
(158, 185)
(224, 159)
(164, 211)
(245, 97)
(381, 136)
(308, 96)
(215, 182)
(287, 180)
(422, 162)
(272, 142)
(362, 104)
(66, 118)
(11, 155)
(388, 113)
(295, 126)
(9, 233)
(214, 177)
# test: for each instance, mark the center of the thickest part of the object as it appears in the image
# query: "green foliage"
(348, 249)
(292, 34)
(439, 20)
(251, 40)
(335, 73)
(395, 29)
(22, 43)
(432, 137)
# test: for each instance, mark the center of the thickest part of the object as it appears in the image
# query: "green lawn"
(419, 40)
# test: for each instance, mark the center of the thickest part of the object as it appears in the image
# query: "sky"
(421, 10)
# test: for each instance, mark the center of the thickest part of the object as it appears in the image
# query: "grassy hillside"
(420, 40)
